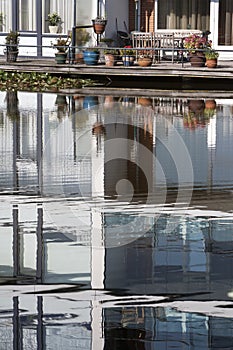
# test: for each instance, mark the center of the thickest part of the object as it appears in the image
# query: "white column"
(97, 234)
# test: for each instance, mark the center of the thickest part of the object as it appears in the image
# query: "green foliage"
(61, 44)
(114, 52)
(99, 20)
(211, 54)
(92, 49)
(13, 81)
(12, 40)
(54, 19)
(82, 36)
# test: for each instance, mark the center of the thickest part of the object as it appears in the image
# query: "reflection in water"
(116, 223)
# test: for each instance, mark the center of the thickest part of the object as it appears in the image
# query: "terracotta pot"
(110, 60)
(79, 57)
(145, 61)
(99, 28)
(98, 129)
(210, 104)
(145, 101)
(211, 63)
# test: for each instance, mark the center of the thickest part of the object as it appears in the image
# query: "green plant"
(211, 54)
(108, 41)
(114, 52)
(146, 53)
(194, 42)
(127, 50)
(62, 44)
(82, 36)
(92, 49)
(12, 40)
(54, 19)
(99, 20)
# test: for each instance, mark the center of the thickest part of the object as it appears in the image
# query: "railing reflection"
(41, 326)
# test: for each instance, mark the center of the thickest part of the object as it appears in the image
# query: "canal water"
(116, 224)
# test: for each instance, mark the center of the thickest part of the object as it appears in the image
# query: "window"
(64, 8)
(184, 14)
(6, 12)
(27, 15)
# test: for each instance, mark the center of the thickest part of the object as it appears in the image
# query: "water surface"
(115, 222)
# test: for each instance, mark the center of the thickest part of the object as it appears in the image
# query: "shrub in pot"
(211, 58)
(12, 45)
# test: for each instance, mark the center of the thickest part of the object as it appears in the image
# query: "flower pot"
(145, 101)
(11, 56)
(98, 129)
(90, 101)
(91, 57)
(196, 107)
(197, 60)
(145, 61)
(79, 57)
(53, 29)
(99, 26)
(210, 104)
(110, 60)
(128, 60)
(211, 63)
(60, 57)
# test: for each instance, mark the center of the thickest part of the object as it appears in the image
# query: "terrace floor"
(159, 75)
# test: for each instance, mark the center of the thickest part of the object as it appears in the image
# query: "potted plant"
(195, 45)
(82, 36)
(54, 22)
(91, 56)
(61, 45)
(145, 58)
(128, 55)
(12, 44)
(211, 58)
(111, 57)
(99, 24)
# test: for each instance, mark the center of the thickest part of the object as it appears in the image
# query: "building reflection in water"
(71, 217)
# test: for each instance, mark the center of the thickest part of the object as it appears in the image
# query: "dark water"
(116, 225)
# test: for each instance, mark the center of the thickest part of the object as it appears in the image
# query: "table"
(161, 41)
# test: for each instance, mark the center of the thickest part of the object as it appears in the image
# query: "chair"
(142, 40)
(164, 42)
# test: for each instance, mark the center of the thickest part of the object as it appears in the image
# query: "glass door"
(222, 27)
(225, 23)
(27, 15)
(184, 14)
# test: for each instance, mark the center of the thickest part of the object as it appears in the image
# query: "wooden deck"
(158, 75)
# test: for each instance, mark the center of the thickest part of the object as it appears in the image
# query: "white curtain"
(6, 10)
(225, 29)
(65, 9)
(184, 14)
(27, 15)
